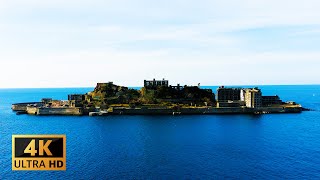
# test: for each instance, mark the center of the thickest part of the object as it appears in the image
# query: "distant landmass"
(157, 97)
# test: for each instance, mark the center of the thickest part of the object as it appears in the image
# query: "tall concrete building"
(153, 84)
(271, 100)
(228, 94)
(253, 97)
(75, 100)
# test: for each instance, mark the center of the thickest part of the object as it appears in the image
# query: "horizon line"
(71, 87)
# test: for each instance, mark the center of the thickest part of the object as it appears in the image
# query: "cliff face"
(109, 93)
(109, 89)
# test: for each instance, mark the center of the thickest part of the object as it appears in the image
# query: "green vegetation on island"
(109, 94)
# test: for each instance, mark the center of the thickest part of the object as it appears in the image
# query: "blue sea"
(271, 146)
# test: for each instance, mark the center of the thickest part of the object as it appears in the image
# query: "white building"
(253, 98)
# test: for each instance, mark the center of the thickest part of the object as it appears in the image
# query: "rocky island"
(157, 97)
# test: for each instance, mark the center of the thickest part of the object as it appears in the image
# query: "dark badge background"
(56, 147)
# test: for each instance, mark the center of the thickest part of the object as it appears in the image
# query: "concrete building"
(253, 97)
(228, 94)
(46, 100)
(153, 84)
(75, 100)
(271, 100)
(76, 97)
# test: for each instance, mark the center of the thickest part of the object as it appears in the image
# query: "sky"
(77, 43)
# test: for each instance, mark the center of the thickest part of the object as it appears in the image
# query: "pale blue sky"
(77, 43)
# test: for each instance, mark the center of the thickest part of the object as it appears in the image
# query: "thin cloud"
(84, 42)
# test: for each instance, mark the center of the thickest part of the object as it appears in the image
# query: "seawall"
(23, 106)
(208, 110)
(162, 111)
(54, 111)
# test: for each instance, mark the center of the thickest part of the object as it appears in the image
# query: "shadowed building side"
(228, 94)
(153, 84)
(271, 100)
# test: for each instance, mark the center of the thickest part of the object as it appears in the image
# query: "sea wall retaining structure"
(23, 106)
(162, 110)
(54, 111)
(208, 110)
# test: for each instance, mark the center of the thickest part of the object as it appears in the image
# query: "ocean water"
(271, 146)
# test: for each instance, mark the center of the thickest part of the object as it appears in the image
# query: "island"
(157, 97)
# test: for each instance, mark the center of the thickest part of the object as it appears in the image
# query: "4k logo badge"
(39, 152)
